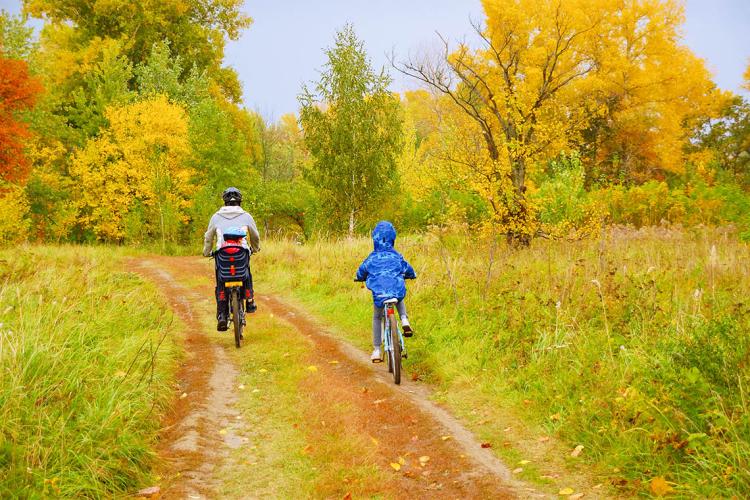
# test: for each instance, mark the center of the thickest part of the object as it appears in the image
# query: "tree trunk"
(351, 224)
(518, 208)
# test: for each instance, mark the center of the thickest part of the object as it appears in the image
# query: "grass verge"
(87, 357)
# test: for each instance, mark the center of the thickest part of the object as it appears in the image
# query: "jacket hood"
(383, 236)
(230, 212)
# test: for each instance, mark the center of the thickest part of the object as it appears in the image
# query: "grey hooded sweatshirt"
(226, 217)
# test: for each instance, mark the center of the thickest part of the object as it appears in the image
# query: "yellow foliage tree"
(549, 73)
(133, 179)
(654, 91)
(14, 209)
(519, 98)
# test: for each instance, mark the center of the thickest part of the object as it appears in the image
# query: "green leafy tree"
(353, 129)
(15, 36)
(197, 29)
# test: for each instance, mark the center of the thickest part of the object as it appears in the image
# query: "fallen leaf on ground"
(255, 391)
(486, 445)
(576, 496)
(307, 449)
(415, 377)
(555, 417)
(333, 362)
(312, 368)
(120, 374)
(223, 432)
(396, 465)
(348, 496)
(660, 487)
(565, 492)
(183, 395)
(263, 370)
(445, 438)
(507, 429)
(401, 460)
(543, 439)
(374, 441)
(241, 386)
(415, 438)
(576, 451)
(518, 470)
(524, 462)
(423, 460)
(378, 401)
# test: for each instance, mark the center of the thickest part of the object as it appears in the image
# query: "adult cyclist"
(231, 215)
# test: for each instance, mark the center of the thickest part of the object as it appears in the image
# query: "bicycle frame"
(389, 309)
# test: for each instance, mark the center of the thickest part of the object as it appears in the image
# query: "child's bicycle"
(393, 340)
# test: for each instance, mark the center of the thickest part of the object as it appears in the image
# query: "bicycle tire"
(396, 350)
(237, 319)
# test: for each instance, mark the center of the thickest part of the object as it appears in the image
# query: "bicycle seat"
(390, 301)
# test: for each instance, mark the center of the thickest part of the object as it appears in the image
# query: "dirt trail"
(403, 417)
(190, 441)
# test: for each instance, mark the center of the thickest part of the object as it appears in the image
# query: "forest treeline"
(119, 122)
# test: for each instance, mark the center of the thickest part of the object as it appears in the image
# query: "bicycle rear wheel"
(237, 318)
(395, 349)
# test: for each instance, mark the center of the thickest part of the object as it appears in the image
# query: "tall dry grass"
(87, 357)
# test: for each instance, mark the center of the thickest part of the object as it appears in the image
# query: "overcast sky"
(284, 46)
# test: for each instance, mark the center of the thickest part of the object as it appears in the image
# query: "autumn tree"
(520, 96)
(18, 92)
(653, 91)
(133, 179)
(726, 137)
(352, 128)
(197, 30)
(552, 76)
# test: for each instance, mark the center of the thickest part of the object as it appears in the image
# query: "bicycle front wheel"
(237, 318)
(395, 349)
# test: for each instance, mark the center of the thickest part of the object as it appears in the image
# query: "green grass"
(634, 346)
(87, 356)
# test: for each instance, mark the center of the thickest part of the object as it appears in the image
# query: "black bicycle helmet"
(231, 194)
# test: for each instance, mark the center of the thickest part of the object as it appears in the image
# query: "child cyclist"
(384, 271)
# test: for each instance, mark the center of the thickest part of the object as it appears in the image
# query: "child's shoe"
(376, 356)
(408, 332)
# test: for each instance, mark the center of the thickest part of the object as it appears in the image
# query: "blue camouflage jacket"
(384, 269)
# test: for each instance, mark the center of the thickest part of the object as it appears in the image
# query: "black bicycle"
(233, 280)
